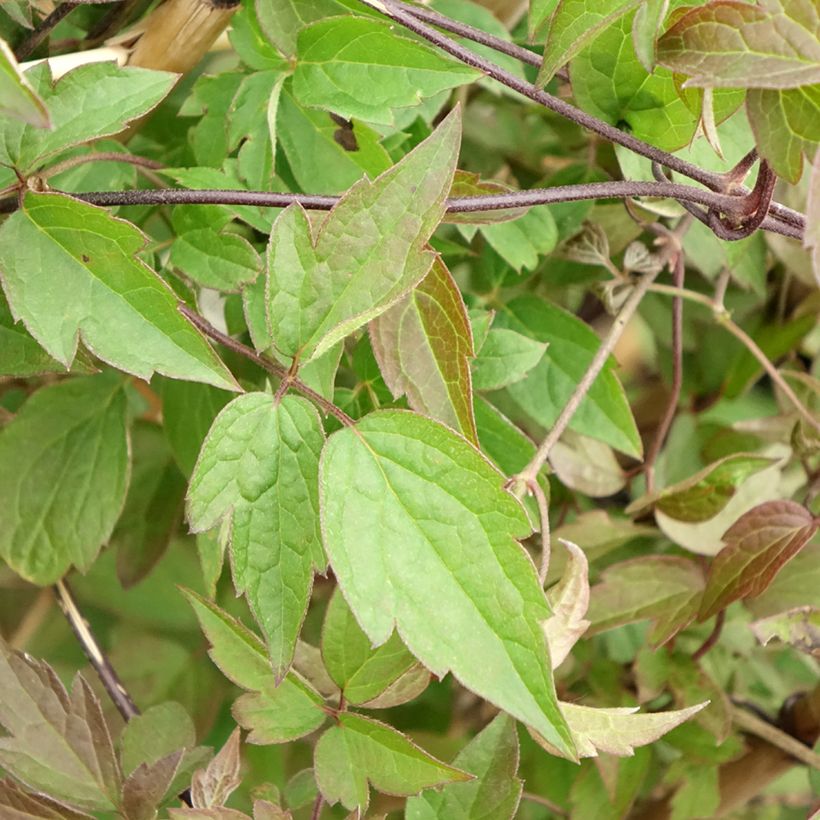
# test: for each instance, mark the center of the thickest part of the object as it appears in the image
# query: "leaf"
(360, 671)
(18, 804)
(732, 44)
(257, 471)
(423, 345)
(222, 261)
(618, 731)
(785, 125)
(468, 184)
(153, 507)
(798, 627)
(505, 358)
(409, 510)
(213, 785)
(574, 23)
(705, 494)
(279, 714)
(158, 732)
(501, 440)
(604, 413)
(492, 757)
(758, 544)
(521, 241)
(57, 742)
(646, 26)
(586, 465)
(145, 788)
(569, 600)
(663, 588)
(282, 20)
(359, 751)
(108, 97)
(339, 57)
(17, 98)
(366, 254)
(63, 476)
(105, 295)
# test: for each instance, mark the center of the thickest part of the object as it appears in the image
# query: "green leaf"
(22, 805)
(505, 358)
(17, 98)
(358, 751)
(798, 627)
(646, 26)
(663, 588)
(573, 24)
(732, 44)
(758, 544)
(361, 67)
(153, 506)
(501, 440)
(786, 125)
(91, 101)
(282, 20)
(423, 345)
(705, 494)
(409, 509)
(104, 294)
(159, 731)
(521, 241)
(222, 261)
(63, 476)
(57, 743)
(258, 471)
(361, 671)
(619, 731)
(604, 414)
(492, 757)
(366, 254)
(468, 184)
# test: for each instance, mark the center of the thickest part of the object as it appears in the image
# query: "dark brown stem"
(759, 200)
(677, 377)
(271, 366)
(43, 30)
(714, 635)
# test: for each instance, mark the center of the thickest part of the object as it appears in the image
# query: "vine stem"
(316, 813)
(712, 637)
(271, 366)
(43, 30)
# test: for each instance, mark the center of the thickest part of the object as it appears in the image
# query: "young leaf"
(587, 465)
(18, 804)
(731, 44)
(604, 413)
(618, 731)
(409, 512)
(145, 788)
(505, 358)
(339, 57)
(758, 544)
(492, 757)
(359, 670)
(423, 345)
(213, 785)
(365, 255)
(91, 101)
(798, 627)
(569, 600)
(574, 23)
(282, 20)
(358, 751)
(104, 294)
(706, 493)
(258, 470)
(646, 26)
(57, 743)
(664, 588)
(17, 98)
(63, 476)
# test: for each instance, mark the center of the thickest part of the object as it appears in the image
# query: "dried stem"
(271, 366)
(102, 666)
(712, 638)
(751, 723)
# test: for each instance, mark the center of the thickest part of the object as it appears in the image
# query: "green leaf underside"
(731, 44)
(663, 588)
(423, 345)
(358, 751)
(758, 545)
(360, 67)
(258, 468)
(361, 671)
(492, 756)
(406, 489)
(366, 254)
(706, 493)
(63, 476)
(17, 98)
(105, 295)
(604, 413)
(58, 742)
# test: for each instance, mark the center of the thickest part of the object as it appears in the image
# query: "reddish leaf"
(213, 785)
(17, 803)
(758, 544)
(468, 184)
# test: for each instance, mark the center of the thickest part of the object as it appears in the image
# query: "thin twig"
(43, 30)
(316, 813)
(543, 801)
(102, 666)
(712, 638)
(271, 366)
(32, 620)
(751, 723)
(100, 156)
